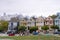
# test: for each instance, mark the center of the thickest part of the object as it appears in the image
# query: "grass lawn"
(35, 37)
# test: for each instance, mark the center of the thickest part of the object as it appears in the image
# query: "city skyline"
(30, 7)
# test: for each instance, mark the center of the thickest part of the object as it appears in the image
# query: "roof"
(14, 19)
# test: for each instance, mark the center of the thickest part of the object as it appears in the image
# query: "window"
(56, 21)
(41, 22)
(51, 22)
(29, 22)
(59, 17)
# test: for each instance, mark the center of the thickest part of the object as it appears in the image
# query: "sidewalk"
(57, 35)
(3, 34)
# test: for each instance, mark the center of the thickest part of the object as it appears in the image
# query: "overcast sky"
(30, 7)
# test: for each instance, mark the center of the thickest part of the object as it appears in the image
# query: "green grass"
(36, 37)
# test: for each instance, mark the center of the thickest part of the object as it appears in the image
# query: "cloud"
(30, 7)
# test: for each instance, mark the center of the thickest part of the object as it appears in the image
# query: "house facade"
(57, 20)
(30, 22)
(40, 22)
(13, 25)
(22, 22)
(48, 21)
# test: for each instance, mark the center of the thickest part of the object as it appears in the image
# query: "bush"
(45, 27)
(21, 28)
(54, 27)
(3, 25)
(33, 29)
(1, 28)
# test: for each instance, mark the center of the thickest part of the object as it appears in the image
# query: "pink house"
(48, 21)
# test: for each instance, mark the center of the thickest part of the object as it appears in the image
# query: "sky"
(30, 7)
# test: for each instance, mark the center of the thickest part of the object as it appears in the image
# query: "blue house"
(57, 20)
(13, 25)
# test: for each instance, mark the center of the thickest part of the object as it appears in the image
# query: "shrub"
(45, 27)
(54, 27)
(33, 29)
(3, 25)
(21, 28)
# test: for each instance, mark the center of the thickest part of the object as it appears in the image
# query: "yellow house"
(23, 22)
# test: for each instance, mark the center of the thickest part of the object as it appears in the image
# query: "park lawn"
(33, 37)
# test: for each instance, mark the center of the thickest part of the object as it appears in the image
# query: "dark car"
(56, 32)
(2, 32)
(9, 32)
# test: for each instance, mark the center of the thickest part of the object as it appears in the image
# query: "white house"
(57, 20)
(30, 22)
(40, 21)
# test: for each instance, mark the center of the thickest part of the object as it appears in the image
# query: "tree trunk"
(35, 23)
(53, 22)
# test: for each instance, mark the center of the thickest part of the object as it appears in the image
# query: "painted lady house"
(57, 20)
(40, 22)
(13, 25)
(48, 21)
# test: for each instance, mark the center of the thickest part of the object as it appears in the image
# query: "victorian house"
(31, 22)
(48, 21)
(57, 20)
(13, 25)
(22, 22)
(40, 22)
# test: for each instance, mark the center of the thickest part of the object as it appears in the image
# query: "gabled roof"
(14, 19)
(58, 17)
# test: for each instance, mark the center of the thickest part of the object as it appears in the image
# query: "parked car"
(56, 32)
(2, 32)
(35, 33)
(11, 34)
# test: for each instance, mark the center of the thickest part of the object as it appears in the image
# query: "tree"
(21, 28)
(45, 27)
(1, 28)
(3, 25)
(54, 27)
(33, 29)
